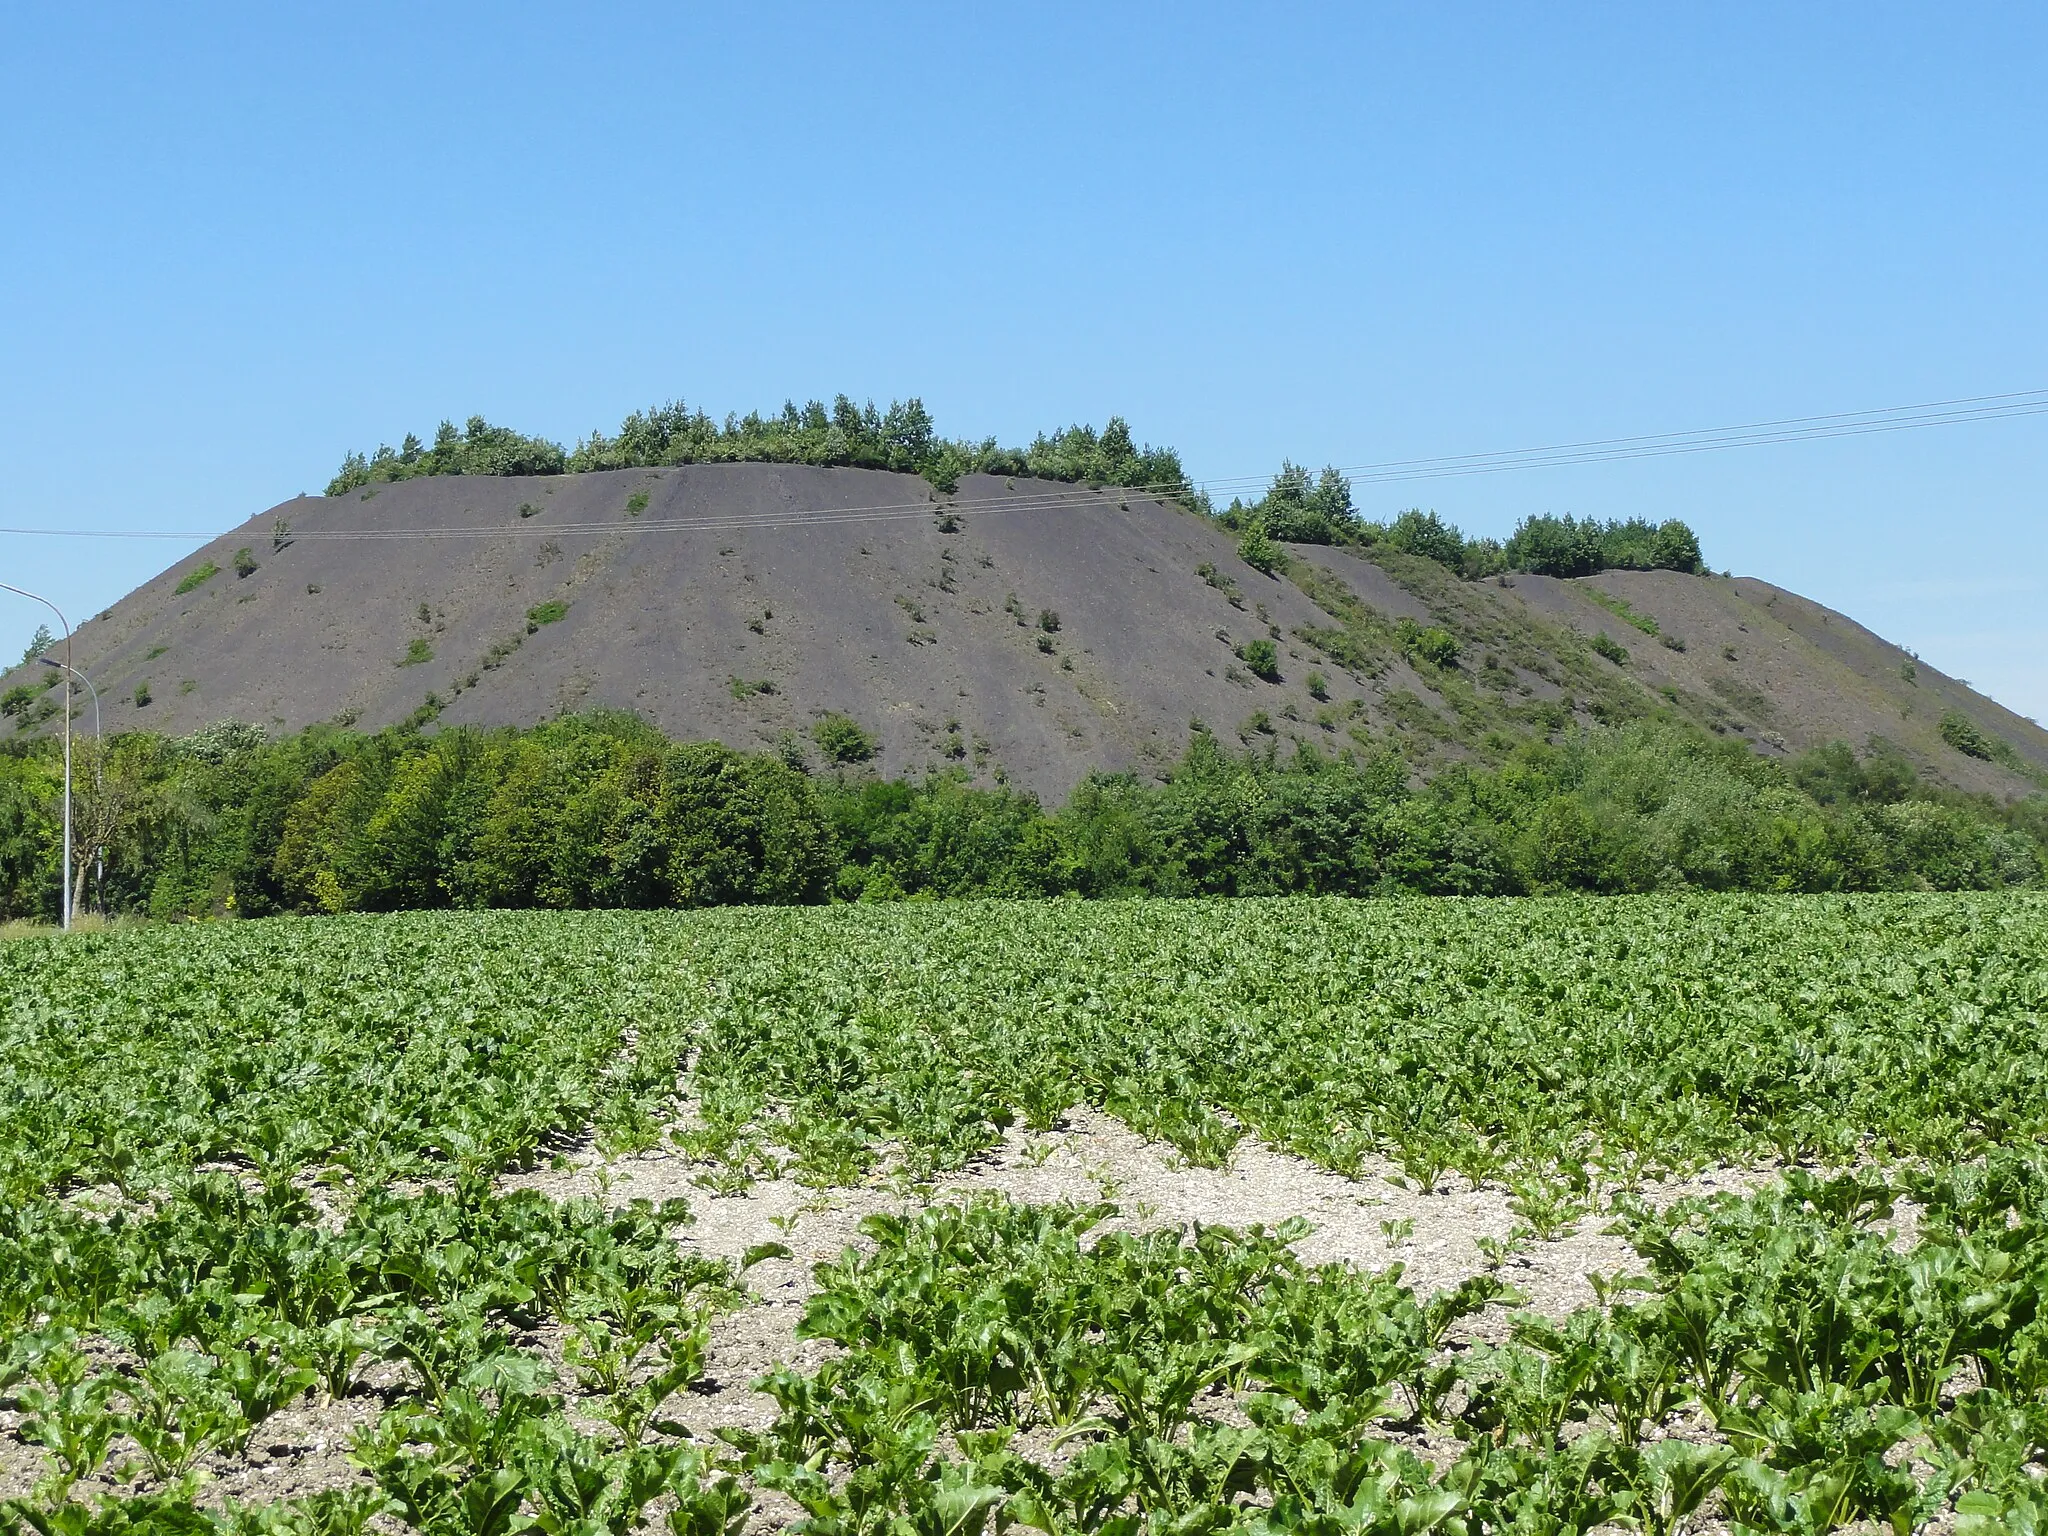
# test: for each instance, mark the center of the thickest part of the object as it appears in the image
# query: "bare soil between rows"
(1371, 1223)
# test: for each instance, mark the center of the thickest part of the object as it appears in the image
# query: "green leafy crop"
(244, 1165)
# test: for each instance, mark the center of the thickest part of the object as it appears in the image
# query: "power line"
(1792, 429)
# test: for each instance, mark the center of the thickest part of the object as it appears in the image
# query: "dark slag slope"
(843, 590)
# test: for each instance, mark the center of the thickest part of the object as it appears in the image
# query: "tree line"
(902, 439)
(601, 810)
(1298, 507)
(1303, 508)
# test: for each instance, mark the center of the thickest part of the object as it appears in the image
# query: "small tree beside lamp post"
(69, 672)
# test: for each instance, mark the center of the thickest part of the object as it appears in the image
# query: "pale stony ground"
(1091, 1157)
(1435, 1236)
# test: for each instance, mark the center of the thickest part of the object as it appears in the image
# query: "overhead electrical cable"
(1793, 429)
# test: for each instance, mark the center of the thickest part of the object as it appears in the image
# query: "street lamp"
(99, 771)
(36, 598)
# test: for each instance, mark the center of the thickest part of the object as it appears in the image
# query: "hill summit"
(1014, 629)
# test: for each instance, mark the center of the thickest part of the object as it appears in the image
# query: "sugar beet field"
(1163, 1217)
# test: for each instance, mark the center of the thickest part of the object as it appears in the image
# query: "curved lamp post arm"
(36, 597)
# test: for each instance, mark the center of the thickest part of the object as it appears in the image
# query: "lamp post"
(36, 598)
(99, 773)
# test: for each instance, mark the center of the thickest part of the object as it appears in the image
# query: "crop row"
(1521, 1040)
(251, 1164)
(1782, 1361)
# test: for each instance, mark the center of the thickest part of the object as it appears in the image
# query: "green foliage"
(1259, 552)
(1223, 583)
(1783, 1325)
(244, 562)
(1422, 533)
(195, 578)
(740, 828)
(1960, 732)
(553, 611)
(419, 650)
(478, 449)
(1565, 546)
(142, 694)
(842, 740)
(1621, 610)
(1261, 659)
(902, 439)
(579, 813)
(1300, 509)
(38, 643)
(1546, 545)
(241, 1163)
(1612, 649)
(1428, 643)
(226, 1302)
(20, 699)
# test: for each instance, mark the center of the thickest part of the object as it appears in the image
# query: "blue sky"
(242, 240)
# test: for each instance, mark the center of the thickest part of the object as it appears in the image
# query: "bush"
(1299, 509)
(842, 740)
(1429, 643)
(417, 652)
(244, 562)
(1613, 650)
(478, 449)
(553, 611)
(1544, 546)
(1422, 533)
(1261, 659)
(1048, 621)
(142, 694)
(1565, 546)
(1258, 551)
(1960, 732)
(198, 576)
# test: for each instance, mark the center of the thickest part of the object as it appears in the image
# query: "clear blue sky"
(242, 240)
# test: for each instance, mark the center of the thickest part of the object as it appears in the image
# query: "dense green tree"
(1424, 533)
(741, 829)
(903, 438)
(1565, 546)
(602, 811)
